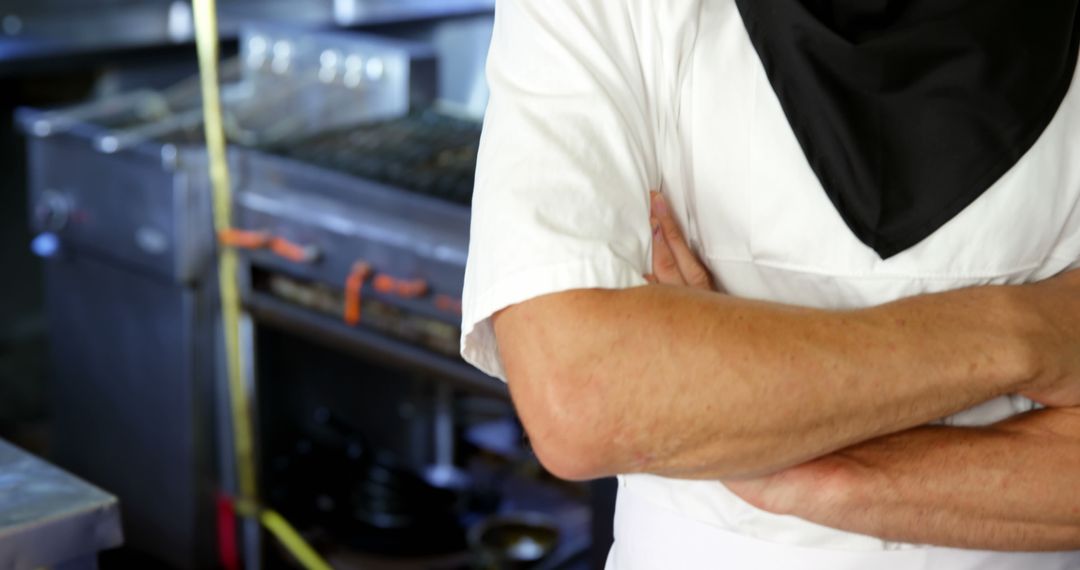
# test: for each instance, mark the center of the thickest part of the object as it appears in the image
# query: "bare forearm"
(686, 383)
(1007, 487)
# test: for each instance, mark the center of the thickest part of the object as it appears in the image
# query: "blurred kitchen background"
(353, 128)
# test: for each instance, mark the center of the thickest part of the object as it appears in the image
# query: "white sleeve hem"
(478, 345)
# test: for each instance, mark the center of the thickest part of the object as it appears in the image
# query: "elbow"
(570, 456)
(567, 427)
(559, 391)
(585, 423)
(571, 462)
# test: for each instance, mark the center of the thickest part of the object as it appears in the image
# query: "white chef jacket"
(593, 103)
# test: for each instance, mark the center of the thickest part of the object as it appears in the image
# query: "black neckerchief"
(908, 110)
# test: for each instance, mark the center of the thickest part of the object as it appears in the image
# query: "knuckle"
(665, 264)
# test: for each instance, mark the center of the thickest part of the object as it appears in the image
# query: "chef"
(843, 331)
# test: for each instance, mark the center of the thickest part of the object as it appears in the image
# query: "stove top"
(426, 153)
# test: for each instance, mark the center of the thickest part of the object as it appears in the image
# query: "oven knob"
(45, 245)
(52, 212)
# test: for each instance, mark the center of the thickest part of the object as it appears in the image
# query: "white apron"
(692, 545)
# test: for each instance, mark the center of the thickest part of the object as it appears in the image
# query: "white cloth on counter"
(594, 103)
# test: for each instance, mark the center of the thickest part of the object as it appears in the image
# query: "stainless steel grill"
(427, 153)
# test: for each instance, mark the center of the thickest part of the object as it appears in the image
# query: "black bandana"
(908, 110)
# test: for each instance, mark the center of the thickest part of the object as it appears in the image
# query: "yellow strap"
(206, 39)
(293, 542)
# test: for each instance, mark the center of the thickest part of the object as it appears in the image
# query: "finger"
(651, 279)
(664, 266)
(693, 271)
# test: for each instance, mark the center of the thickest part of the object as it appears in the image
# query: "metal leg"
(444, 425)
(252, 537)
(252, 531)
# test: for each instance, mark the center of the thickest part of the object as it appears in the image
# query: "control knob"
(52, 212)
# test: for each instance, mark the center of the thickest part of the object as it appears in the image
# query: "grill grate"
(426, 152)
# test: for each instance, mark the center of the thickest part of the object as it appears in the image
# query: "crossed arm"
(677, 380)
(1011, 486)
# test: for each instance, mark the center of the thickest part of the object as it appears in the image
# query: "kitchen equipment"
(387, 251)
(516, 541)
(50, 518)
(121, 205)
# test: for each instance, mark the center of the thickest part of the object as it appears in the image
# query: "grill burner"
(425, 152)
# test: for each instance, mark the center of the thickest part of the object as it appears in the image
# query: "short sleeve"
(565, 165)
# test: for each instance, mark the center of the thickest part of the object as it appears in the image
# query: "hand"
(1055, 304)
(673, 262)
(815, 488)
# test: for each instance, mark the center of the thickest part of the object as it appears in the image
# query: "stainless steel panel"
(130, 408)
(134, 207)
(461, 45)
(68, 34)
(310, 82)
(352, 13)
(349, 219)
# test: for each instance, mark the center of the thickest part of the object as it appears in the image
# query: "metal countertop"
(47, 516)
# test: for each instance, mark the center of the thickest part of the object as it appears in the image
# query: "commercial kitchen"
(234, 236)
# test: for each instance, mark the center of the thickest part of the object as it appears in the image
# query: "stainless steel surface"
(250, 528)
(61, 34)
(48, 517)
(138, 192)
(141, 208)
(132, 374)
(64, 34)
(118, 23)
(352, 219)
(324, 80)
(130, 307)
(352, 13)
(461, 44)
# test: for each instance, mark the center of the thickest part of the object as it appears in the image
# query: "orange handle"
(405, 288)
(249, 239)
(411, 288)
(243, 239)
(293, 251)
(383, 283)
(448, 304)
(354, 287)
